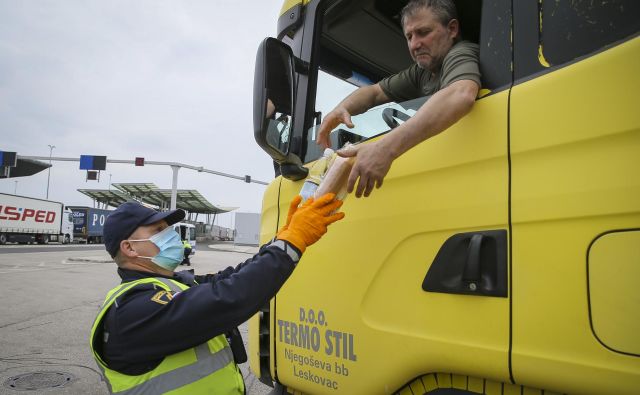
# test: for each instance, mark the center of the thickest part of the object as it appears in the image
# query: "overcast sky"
(165, 80)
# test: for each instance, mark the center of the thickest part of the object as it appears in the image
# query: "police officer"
(162, 331)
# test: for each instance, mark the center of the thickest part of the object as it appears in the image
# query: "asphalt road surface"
(20, 248)
(50, 296)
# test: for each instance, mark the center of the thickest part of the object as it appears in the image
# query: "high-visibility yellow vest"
(186, 244)
(205, 369)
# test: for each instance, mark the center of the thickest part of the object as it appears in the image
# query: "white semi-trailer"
(28, 220)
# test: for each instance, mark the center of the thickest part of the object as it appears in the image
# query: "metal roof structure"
(107, 197)
(137, 190)
(189, 200)
(143, 192)
(192, 201)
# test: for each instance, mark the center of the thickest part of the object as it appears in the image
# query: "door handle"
(472, 263)
(471, 274)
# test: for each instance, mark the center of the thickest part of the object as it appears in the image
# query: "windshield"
(378, 120)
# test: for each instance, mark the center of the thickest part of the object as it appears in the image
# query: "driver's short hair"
(445, 10)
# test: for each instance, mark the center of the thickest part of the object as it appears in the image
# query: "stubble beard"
(433, 66)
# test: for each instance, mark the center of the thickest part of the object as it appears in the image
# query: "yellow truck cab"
(501, 256)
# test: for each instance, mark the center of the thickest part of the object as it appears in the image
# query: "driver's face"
(429, 40)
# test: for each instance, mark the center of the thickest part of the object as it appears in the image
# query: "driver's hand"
(331, 121)
(371, 166)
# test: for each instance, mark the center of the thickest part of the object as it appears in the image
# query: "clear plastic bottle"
(315, 175)
(335, 179)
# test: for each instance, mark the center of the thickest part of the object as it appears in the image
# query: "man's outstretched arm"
(443, 109)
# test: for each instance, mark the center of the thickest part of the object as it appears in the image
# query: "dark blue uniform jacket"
(148, 323)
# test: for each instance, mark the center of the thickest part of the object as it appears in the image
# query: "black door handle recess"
(471, 275)
(472, 263)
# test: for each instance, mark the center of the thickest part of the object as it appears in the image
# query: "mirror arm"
(292, 168)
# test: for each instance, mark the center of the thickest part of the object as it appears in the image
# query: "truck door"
(575, 139)
(79, 222)
(357, 314)
(67, 227)
(181, 230)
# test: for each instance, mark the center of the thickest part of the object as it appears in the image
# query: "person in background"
(187, 252)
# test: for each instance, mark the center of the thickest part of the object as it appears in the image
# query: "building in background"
(247, 228)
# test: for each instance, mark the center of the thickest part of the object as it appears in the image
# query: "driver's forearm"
(441, 111)
(363, 99)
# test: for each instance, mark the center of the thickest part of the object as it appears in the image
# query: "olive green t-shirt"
(461, 63)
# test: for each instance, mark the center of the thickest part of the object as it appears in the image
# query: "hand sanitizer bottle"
(315, 175)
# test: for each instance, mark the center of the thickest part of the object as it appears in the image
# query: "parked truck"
(88, 223)
(221, 233)
(500, 256)
(28, 220)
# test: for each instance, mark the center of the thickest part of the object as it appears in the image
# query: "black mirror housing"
(273, 95)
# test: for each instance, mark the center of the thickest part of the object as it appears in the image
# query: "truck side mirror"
(273, 92)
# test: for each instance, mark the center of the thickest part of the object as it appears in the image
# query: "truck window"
(331, 90)
(570, 29)
(361, 46)
(553, 34)
(372, 123)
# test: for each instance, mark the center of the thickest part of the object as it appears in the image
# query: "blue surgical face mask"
(171, 248)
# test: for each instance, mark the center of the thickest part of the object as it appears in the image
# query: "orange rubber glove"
(293, 207)
(309, 223)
